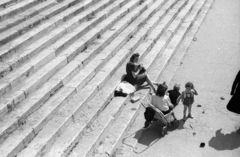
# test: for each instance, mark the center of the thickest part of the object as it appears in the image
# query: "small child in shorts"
(188, 99)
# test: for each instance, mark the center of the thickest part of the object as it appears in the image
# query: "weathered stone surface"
(59, 77)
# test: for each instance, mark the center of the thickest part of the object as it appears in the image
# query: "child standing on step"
(188, 99)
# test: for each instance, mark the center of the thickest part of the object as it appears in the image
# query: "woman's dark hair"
(161, 90)
(135, 55)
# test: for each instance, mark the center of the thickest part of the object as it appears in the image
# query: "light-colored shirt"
(161, 103)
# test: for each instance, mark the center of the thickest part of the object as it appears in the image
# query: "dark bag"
(149, 114)
(143, 70)
(119, 93)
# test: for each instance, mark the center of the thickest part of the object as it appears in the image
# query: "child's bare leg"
(184, 112)
(190, 111)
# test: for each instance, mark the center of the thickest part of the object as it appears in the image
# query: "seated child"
(175, 95)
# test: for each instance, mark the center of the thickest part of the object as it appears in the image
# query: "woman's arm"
(135, 74)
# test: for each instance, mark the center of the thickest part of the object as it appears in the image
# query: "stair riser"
(8, 15)
(58, 51)
(32, 14)
(5, 4)
(51, 56)
(38, 35)
(37, 104)
(22, 118)
(69, 120)
(108, 98)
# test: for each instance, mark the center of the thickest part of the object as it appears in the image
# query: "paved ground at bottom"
(211, 63)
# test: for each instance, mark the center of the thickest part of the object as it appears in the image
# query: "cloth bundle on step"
(124, 89)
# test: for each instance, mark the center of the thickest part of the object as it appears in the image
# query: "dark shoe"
(190, 116)
(146, 125)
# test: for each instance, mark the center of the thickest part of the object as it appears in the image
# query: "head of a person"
(134, 58)
(176, 87)
(189, 85)
(162, 89)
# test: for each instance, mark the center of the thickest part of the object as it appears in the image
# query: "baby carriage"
(167, 119)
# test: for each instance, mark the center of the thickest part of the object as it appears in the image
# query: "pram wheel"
(164, 130)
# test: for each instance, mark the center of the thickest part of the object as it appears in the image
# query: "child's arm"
(195, 92)
(179, 98)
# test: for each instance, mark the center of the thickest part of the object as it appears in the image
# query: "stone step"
(46, 56)
(20, 113)
(89, 90)
(15, 77)
(27, 107)
(18, 7)
(20, 17)
(5, 3)
(115, 136)
(70, 24)
(63, 145)
(52, 17)
(86, 143)
(38, 97)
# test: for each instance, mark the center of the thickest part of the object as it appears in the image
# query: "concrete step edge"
(21, 17)
(32, 67)
(18, 7)
(25, 114)
(5, 3)
(28, 71)
(79, 129)
(37, 32)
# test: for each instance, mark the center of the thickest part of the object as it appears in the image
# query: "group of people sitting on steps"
(163, 99)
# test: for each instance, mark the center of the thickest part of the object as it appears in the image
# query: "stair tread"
(14, 44)
(26, 14)
(16, 6)
(6, 123)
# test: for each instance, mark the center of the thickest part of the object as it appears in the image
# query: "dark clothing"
(168, 111)
(188, 98)
(149, 114)
(139, 80)
(173, 95)
(236, 85)
(234, 103)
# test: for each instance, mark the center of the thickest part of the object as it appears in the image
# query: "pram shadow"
(153, 134)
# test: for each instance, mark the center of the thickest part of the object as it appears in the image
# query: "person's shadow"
(225, 142)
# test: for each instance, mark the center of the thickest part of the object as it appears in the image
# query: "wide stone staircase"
(60, 62)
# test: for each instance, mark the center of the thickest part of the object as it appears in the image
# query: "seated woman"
(162, 101)
(136, 73)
